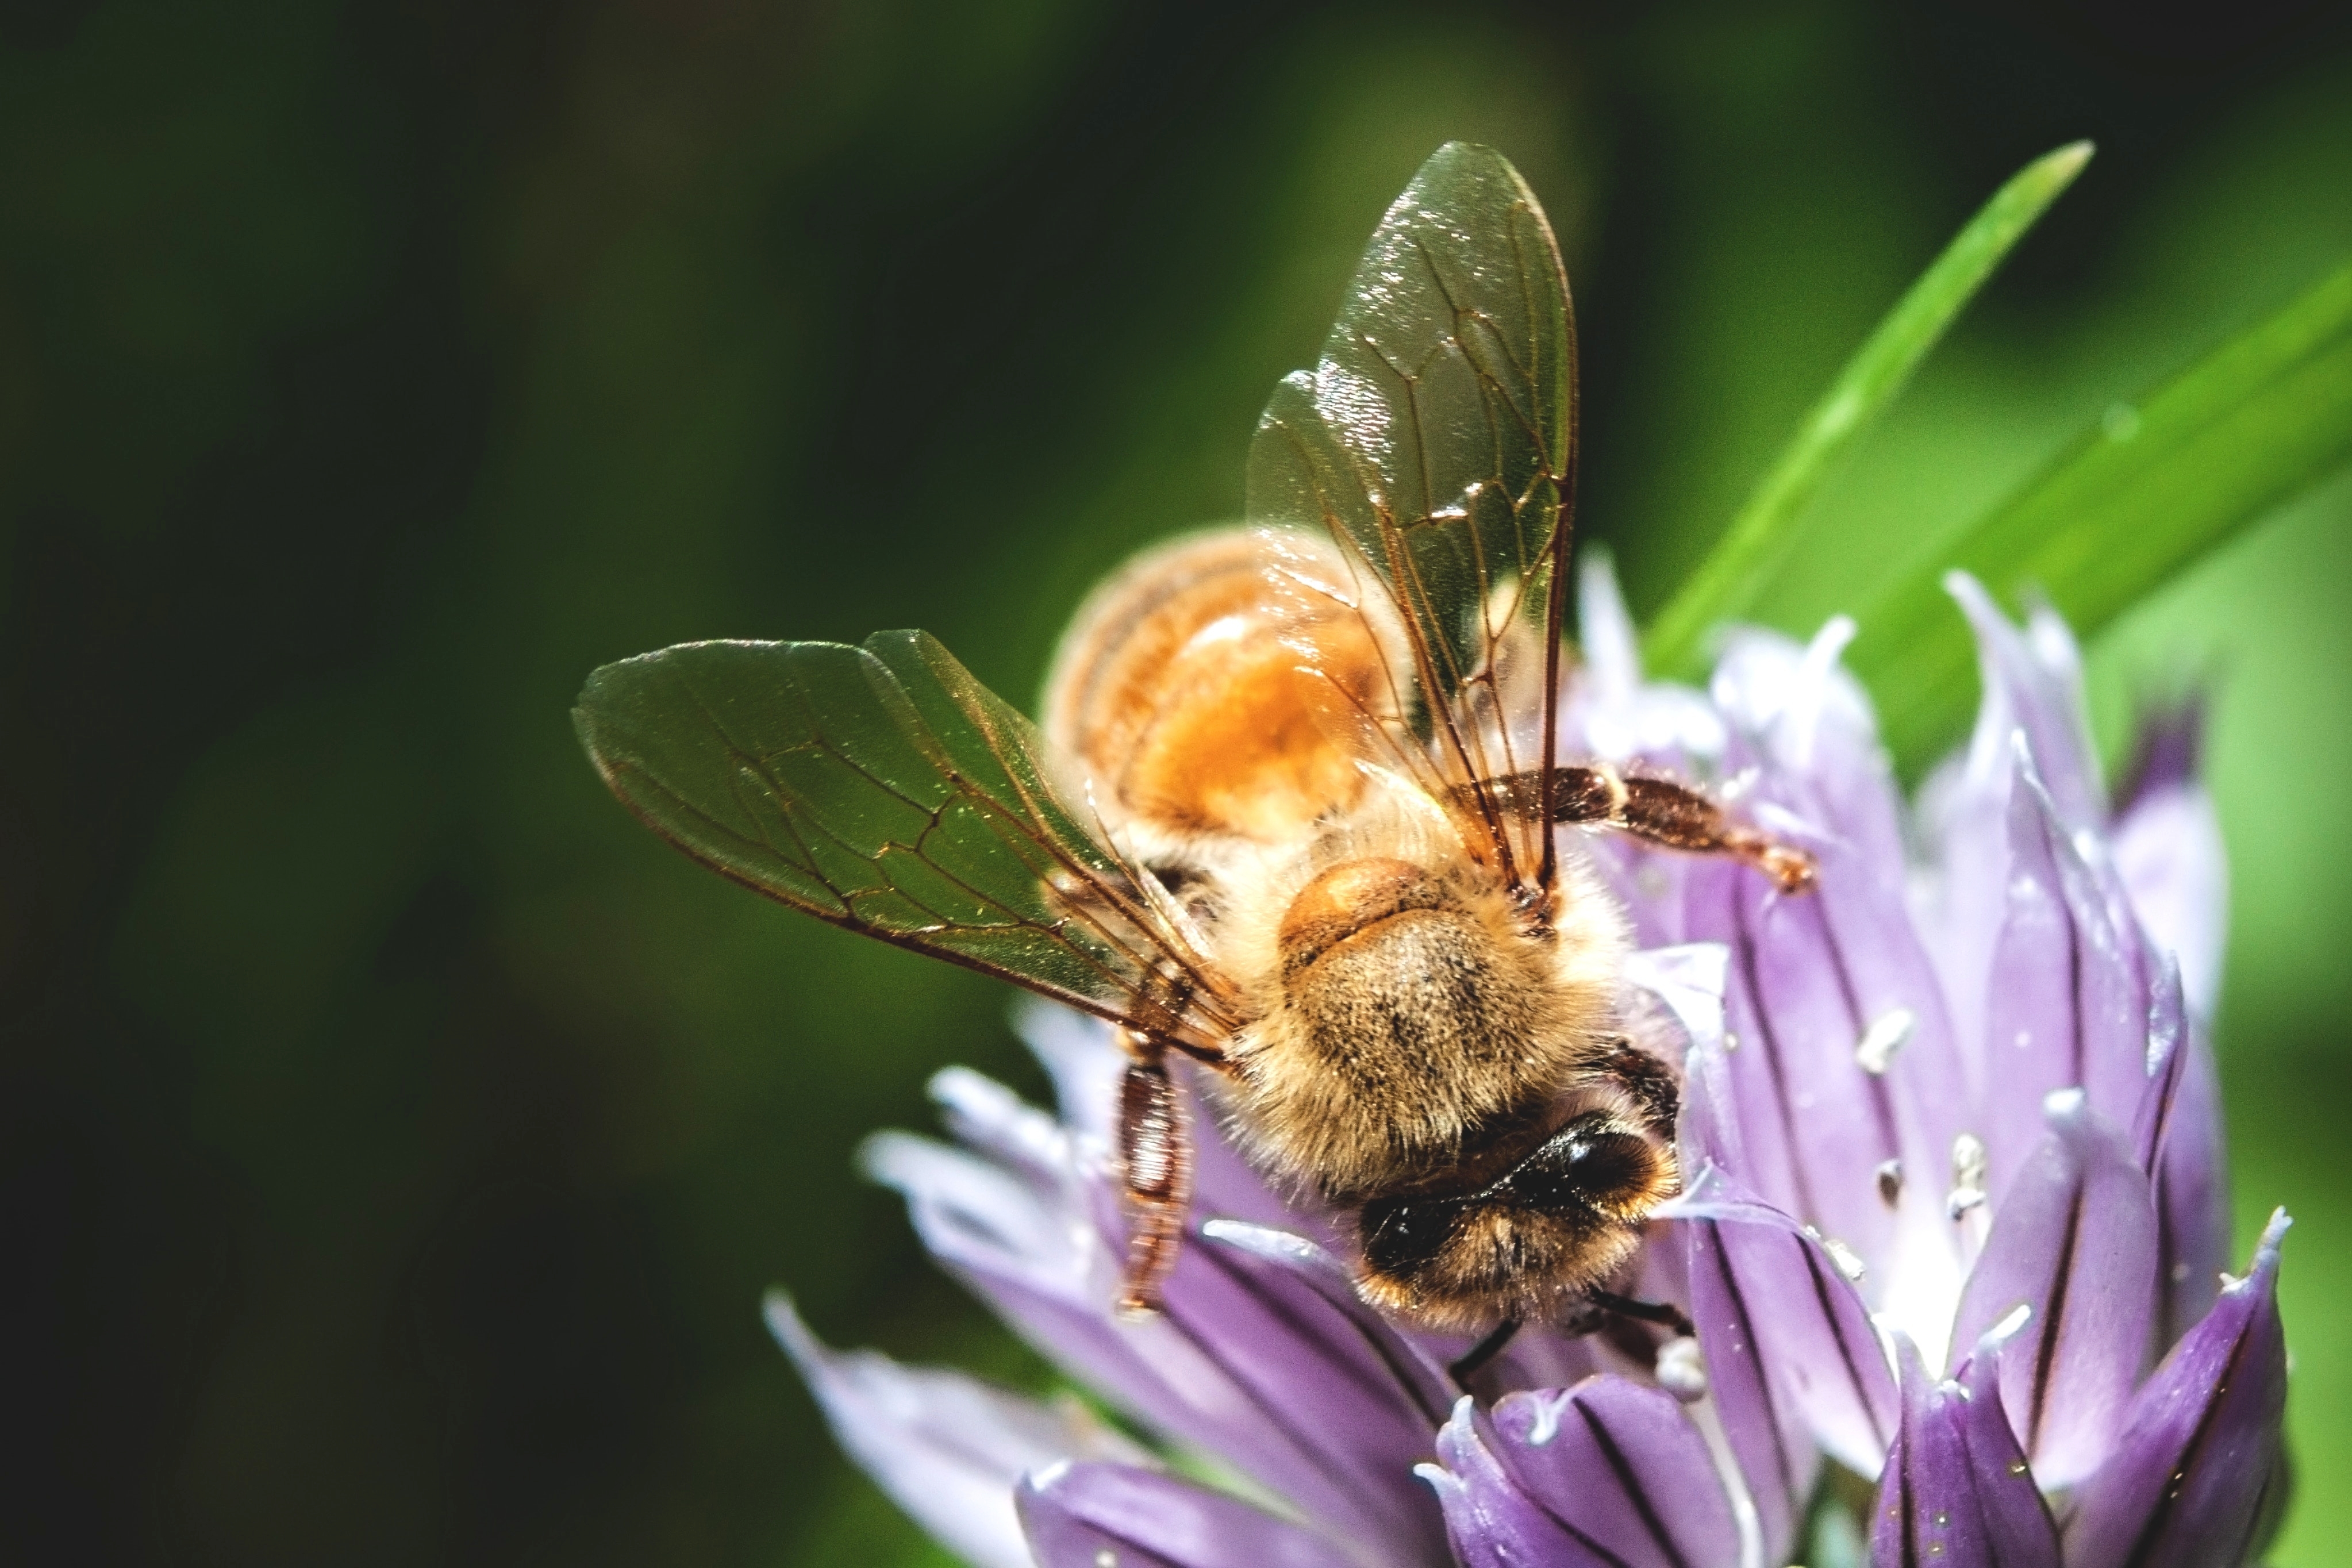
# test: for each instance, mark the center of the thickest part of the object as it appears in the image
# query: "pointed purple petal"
(1956, 1492)
(1610, 711)
(2192, 1196)
(948, 1448)
(1619, 1465)
(1084, 1515)
(2184, 1489)
(2034, 683)
(1792, 1357)
(2073, 1241)
(2177, 1138)
(1838, 1057)
(1418, 1377)
(1336, 1398)
(2169, 855)
(1248, 1363)
(2067, 1008)
(2031, 687)
(1495, 1520)
(2168, 748)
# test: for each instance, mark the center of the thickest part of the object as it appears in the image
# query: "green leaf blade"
(2157, 485)
(1733, 578)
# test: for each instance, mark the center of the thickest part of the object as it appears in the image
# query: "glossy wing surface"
(1434, 442)
(884, 789)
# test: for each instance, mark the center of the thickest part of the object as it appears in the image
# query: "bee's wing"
(884, 789)
(1435, 443)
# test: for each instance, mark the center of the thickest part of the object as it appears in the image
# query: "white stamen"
(1967, 1175)
(1681, 1371)
(1887, 1033)
(1849, 1262)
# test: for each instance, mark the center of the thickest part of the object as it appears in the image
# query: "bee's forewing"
(1435, 442)
(884, 789)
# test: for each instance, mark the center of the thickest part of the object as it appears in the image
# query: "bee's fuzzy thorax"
(1404, 1049)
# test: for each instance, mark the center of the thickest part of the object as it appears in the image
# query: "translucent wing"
(1434, 442)
(884, 789)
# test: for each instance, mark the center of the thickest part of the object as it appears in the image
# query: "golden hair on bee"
(1406, 1018)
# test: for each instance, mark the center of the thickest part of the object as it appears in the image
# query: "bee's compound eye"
(1403, 1235)
(1594, 1161)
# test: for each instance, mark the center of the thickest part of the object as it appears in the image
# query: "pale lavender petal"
(2168, 852)
(1086, 1515)
(2032, 687)
(1610, 711)
(1420, 1377)
(1762, 1287)
(2075, 1242)
(946, 1447)
(2017, 1519)
(2177, 1139)
(1838, 1059)
(1248, 1361)
(2034, 683)
(2067, 1008)
(2184, 1486)
(1956, 1492)
(2192, 1195)
(1077, 1052)
(1766, 1433)
(1495, 1520)
(1618, 1464)
(1340, 1411)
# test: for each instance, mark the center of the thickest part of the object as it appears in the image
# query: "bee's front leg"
(1155, 1156)
(1677, 816)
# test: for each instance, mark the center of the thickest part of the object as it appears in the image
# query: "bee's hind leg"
(1664, 1314)
(1155, 1160)
(1677, 816)
(1466, 1365)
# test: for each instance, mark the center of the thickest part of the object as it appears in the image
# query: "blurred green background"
(394, 1139)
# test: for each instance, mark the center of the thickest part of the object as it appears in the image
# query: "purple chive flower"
(1954, 1215)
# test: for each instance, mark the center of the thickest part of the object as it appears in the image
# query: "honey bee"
(1295, 812)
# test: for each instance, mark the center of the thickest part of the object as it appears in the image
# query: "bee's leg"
(1155, 1157)
(1466, 1366)
(1675, 815)
(1656, 1092)
(1664, 1314)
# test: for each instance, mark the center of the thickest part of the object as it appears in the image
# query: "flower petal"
(2074, 1241)
(2201, 1444)
(1791, 1358)
(2168, 854)
(2177, 1139)
(2032, 687)
(1341, 1409)
(1610, 712)
(2034, 683)
(948, 1448)
(1837, 1065)
(1624, 1498)
(1420, 1378)
(1956, 1492)
(1085, 1515)
(1248, 1361)
(2067, 1008)
(1619, 1464)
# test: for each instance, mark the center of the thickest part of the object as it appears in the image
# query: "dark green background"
(394, 1139)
